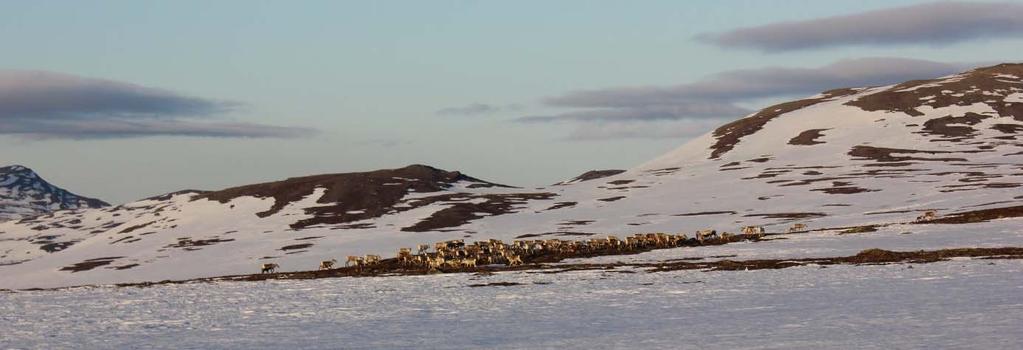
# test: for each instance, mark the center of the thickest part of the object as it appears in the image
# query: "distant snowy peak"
(23, 193)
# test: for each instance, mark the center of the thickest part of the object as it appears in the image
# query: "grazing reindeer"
(269, 268)
(797, 228)
(513, 259)
(423, 248)
(928, 216)
(327, 264)
(469, 262)
(703, 235)
(353, 259)
(405, 256)
(753, 231)
(372, 259)
(437, 261)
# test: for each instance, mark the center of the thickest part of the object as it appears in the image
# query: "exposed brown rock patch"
(592, 175)
(808, 137)
(460, 213)
(882, 154)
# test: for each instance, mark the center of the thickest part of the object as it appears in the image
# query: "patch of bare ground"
(49, 243)
(136, 227)
(968, 88)
(494, 284)
(953, 127)
(896, 164)
(859, 229)
(730, 134)
(805, 182)
(461, 213)
(843, 190)
(664, 171)
(355, 226)
(576, 223)
(1008, 128)
(882, 154)
(296, 246)
(560, 205)
(787, 215)
(808, 137)
(592, 175)
(768, 174)
(974, 216)
(90, 264)
(611, 199)
(190, 244)
(702, 213)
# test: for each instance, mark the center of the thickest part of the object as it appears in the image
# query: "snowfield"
(961, 304)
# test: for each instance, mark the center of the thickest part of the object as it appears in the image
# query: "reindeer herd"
(456, 255)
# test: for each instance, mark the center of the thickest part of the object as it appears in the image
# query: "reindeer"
(327, 264)
(513, 259)
(928, 216)
(753, 231)
(703, 235)
(423, 248)
(436, 261)
(353, 259)
(372, 259)
(797, 228)
(269, 268)
(469, 262)
(680, 239)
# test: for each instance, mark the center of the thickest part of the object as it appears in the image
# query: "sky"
(122, 100)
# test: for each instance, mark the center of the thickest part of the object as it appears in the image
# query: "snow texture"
(963, 304)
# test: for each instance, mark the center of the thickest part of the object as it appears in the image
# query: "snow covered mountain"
(24, 193)
(862, 159)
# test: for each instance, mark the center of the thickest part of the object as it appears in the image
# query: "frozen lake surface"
(949, 305)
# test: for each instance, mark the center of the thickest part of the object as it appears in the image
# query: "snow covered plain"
(949, 305)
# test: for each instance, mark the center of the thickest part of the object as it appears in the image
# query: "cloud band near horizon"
(938, 23)
(719, 96)
(45, 105)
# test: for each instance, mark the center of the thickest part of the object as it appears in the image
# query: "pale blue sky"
(370, 77)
